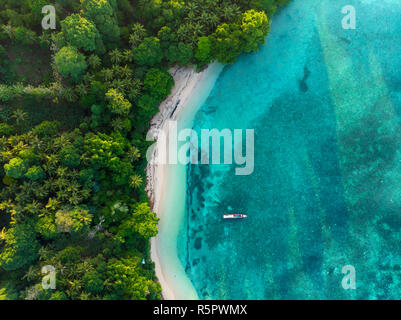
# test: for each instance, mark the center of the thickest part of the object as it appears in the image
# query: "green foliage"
(148, 106)
(5, 129)
(3, 295)
(227, 43)
(72, 219)
(46, 129)
(135, 181)
(93, 282)
(24, 36)
(255, 26)
(137, 35)
(102, 150)
(158, 83)
(28, 155)
(16, 168)
(3, 55)
(35, 173)
(70, 157)
(36, 7)
(148, 52)
(229, 40)
(94, 61)
(269, 6)
(79, 32)
(20, 248)
(46, 227)
(101, 12)
(117, 103)
(203, 51)
(181, 53)
(143, 222)
(70, 62)
(58, 295)
(124, 280)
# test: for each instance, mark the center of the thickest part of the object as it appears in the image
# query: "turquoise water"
(325, 104)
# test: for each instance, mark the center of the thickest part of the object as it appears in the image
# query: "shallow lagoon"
(325, 104)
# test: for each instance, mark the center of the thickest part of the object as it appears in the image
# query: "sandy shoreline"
(189, 92)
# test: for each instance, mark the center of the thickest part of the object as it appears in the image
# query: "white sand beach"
(166, 184)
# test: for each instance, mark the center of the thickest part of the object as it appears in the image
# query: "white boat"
(235, 216)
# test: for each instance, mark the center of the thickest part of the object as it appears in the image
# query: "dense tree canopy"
(70, 63)
(254, 28)
(102, 13)
(148, 52)
(79, 32)
(158, 83)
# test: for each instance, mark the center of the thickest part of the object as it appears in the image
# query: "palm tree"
(30, 274)
(127, 55)
(19, 116)
(62, 172)
(191, 7)
(115, 56)
(133, 154)
(33, 207)
(118, 84)
(135, 181)
(107, 74)
(197, 30)
(85, 267)
(213, 20)
(69, 95)
(81, 89)
(126, 72)
(139, 29)
(85, 193)
(44, 253)
(88, 77)
(183, 33)
(61, 141)
(41, 192)
(133, 93)
(75, 288)
(126, 84)
(209, 20)
(116, 71)
(137, 35)
(117, 124)
(134, 40)
(52, 204)
(85, 296)
(230, 12)
(94, 61)
(204, 18)
(191, 17)
(75, 198)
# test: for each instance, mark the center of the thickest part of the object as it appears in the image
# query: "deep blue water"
(325, 104)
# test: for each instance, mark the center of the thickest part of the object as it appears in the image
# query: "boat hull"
(234, 216)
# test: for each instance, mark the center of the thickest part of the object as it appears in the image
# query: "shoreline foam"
(166, 184)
